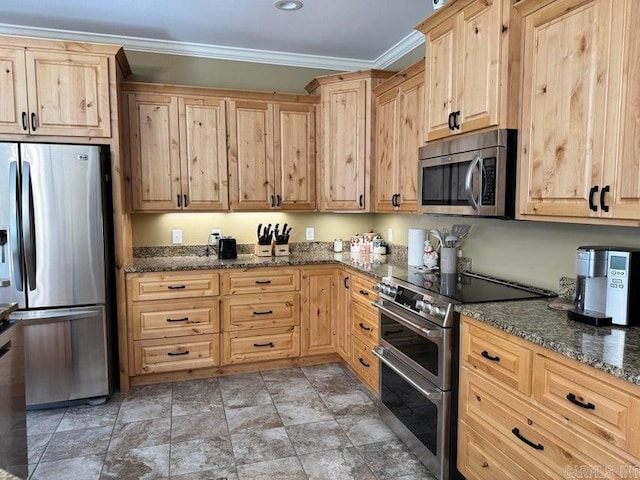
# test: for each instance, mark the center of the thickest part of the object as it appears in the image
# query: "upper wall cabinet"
(471, 67)
(579, 145)
(272, 155)
(399, 113)
(346, 136)
(178, 151)
(55, 92)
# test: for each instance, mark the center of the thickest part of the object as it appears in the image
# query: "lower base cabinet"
(260, 344)
(180, 353)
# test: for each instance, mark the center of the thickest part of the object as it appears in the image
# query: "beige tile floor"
(314, 422)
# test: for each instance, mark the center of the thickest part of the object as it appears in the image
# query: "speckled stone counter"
(611, 349)
(6, 309)
(615, 350)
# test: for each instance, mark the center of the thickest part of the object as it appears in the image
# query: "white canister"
(416, 239)
(337, 245)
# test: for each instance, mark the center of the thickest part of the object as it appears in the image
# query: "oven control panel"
(419, 303)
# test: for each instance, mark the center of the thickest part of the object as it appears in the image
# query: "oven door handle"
(468, 182)
(434, 394)
(414, 326)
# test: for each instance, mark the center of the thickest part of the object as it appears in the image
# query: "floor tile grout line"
(226, 420)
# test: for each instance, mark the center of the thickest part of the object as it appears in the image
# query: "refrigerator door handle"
(28, 226)
(16, 254)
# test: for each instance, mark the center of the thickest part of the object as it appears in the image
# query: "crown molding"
(221, 52)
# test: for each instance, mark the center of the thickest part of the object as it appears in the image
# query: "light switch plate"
(176, 236)
(310, 233)
(390, 234)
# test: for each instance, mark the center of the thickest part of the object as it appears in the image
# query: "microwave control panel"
(489, 181)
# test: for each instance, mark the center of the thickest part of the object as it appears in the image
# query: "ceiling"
(331, 34)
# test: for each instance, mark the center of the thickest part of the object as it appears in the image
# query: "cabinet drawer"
(364, 323)
(486, 457)
(161, 320)
(538, 442)
(172, 285)
(364, 363)
(184, 353)
(580, 398)
(261, 280)
(262, 344)
(498, 357)
(362, 290)
(250, 312)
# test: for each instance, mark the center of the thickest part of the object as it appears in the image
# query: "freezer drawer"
(66, 354)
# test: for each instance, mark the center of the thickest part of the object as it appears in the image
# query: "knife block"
(262, 250)
(281, 250)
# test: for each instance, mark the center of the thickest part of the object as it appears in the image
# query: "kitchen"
(537, 253)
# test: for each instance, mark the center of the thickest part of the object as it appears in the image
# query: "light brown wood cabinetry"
(48, 92)
(272, 155)
(564, 419)
(346, 135)
(343, 323)
(364, 330)
(319, 320)
(580, 92)
(471, 68)
(177, 151)
(399, 108)
(262, 315)
(174, 320)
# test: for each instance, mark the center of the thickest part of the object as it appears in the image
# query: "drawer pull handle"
(263, 282)
(364, 327)
(270, 345)
(538, 446)
(176, 287)
(185, 319)
(572, 398)
(268, 312)
(363, 362)
(486, 355)
(173, 354)
(364, 292)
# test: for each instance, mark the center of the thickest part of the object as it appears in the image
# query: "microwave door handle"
(468, 181)
(14, 200)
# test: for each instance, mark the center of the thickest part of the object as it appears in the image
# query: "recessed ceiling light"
(288, 5)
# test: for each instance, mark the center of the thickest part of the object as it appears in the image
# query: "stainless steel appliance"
(469, 175)
(606, 277)
(58, 266)
(418, 353)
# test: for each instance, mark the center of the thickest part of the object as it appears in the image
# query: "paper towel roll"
(416, 240)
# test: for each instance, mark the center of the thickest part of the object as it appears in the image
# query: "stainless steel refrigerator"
(55, 262)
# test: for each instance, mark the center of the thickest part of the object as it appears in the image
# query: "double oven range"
(418, 353)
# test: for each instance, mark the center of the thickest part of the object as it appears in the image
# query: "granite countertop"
(614, 350)
(6, 309)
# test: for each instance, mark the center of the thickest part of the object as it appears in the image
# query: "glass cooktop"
(470, 287)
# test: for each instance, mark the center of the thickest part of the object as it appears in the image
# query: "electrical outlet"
(216, 234)
(390, 235)
(310, 233)
(176, 236)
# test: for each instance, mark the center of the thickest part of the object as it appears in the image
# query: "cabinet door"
(624, 199)
(69, 93)
(318, 321)
(439, 78)
(155, 155)
(342, 316)
(295, 156)
(13, 101)
(203, 146)
(564, 106)
(409, 131)
(251, 163)
(386, 150)
(344, 114)
(477, 75)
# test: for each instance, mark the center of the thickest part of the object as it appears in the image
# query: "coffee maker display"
(606, 278)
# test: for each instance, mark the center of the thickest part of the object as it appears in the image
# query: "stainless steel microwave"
(469, 175)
